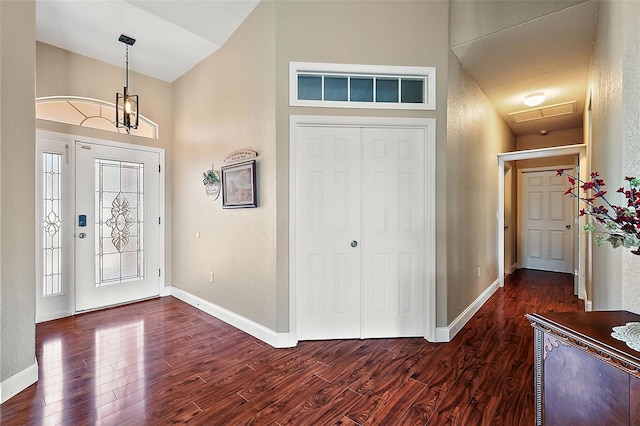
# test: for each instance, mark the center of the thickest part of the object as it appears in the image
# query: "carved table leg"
(538, 372)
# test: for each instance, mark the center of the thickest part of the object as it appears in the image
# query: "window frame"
(427, 74)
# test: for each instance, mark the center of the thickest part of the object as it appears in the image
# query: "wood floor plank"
(162, 362)
(395, 407)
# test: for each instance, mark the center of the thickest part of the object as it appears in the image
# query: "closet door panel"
(328, 219)
(393, 232)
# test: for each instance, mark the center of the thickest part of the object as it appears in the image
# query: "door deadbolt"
(354, 244)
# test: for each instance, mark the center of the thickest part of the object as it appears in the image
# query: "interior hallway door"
(546, 222)
(117, 225)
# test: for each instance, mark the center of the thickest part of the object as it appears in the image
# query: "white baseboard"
(588, 305)
(18, 382)
(53, 316)
(446, 334)
(277, 340)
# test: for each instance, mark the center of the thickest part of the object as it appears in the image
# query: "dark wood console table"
(582, 375)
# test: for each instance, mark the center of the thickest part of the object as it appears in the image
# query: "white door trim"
(579, 150)
(429, 125)
(71, 139)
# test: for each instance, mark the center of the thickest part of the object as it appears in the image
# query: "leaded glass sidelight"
(119, 224)
(52, 224)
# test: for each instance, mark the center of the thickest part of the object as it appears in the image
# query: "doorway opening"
(503, 159)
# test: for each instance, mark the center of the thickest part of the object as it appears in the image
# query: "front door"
(546, 218)
(117, 225)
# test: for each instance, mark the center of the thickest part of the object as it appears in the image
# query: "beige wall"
(616, 111)
(353, 32)
(223, 104)
(475, 135)
(553, 139)
(510, 217)
(631, 149)
(17, 187)
(63, 73)
(238, 98)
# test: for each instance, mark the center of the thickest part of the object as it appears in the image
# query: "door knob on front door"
(82, 235)
(568, 226)
(354, 244)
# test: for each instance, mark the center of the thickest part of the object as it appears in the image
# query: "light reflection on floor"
(119, 352)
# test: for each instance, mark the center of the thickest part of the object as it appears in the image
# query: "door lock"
(82, 235)
(354, 244)
(568, 226)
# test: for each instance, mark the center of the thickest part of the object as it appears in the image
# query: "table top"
(591, 331)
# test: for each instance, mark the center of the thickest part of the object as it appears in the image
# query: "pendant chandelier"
(127, 111)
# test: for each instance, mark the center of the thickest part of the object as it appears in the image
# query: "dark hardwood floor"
(163, 362)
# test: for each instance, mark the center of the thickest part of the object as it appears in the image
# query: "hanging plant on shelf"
(211, 181)
(620, 226)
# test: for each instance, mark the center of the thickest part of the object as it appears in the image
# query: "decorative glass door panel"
(120, 222)
(52, 222)
(117, 225)
(54, 276)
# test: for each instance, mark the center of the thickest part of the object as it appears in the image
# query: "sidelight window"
(52, 224)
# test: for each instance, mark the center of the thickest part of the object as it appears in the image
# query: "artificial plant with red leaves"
(620, 225)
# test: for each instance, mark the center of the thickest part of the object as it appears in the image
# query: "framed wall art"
(239, 185)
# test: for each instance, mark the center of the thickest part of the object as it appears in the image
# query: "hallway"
(162, 361)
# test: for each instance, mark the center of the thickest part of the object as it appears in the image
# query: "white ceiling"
(551, 53)
(172, 36)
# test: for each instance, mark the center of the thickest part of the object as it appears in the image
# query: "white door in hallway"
(546, 221)
(359, 234)
(117, 229)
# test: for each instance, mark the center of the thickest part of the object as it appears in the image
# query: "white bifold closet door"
(359, 232)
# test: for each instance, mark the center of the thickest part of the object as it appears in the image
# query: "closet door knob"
(354, 244)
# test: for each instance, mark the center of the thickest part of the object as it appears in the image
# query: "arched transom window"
(88, 112)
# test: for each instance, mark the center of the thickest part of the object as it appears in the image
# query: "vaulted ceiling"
(549, 53)
(172, 36)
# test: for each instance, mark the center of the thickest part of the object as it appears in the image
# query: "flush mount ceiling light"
(127, 105)
(534, 99)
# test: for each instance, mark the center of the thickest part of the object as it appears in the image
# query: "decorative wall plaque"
(241, 154)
